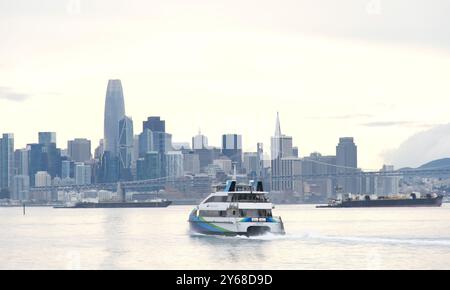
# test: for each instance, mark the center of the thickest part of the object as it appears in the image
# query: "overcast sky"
(376, 70)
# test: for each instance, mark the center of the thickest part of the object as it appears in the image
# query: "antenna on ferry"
(234, 172)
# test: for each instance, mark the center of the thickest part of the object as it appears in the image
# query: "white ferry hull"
(235, 226)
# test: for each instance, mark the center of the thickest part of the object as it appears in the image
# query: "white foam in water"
(386, 241)
(308, 237)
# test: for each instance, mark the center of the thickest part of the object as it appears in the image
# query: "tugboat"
(413, 200)
(236, 209)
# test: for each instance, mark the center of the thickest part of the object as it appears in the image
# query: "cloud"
(420, 148)
(396, 123)
(8, 94)
(343, 117)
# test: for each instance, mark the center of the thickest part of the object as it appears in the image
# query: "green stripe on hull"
(214, 226)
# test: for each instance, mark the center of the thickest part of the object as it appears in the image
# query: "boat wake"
(385, 241)
(351, 240)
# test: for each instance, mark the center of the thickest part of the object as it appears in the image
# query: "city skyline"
(42, 136)
(374, 83)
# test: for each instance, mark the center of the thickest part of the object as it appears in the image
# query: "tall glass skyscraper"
(347, 163)
(232, 148)
(79, 149)
(126, 142)
(6, 160)
(46, 138)
(114, 112)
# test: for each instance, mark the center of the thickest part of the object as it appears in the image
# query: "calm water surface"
(381, 238)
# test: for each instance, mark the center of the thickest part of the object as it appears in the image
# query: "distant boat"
(118, 204)
(139, 204)
(430, 200)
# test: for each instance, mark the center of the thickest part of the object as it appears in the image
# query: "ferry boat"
(236, 209)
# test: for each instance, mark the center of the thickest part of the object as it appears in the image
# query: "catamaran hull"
(238, 226)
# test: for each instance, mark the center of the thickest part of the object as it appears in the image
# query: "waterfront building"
(20, 187)
(42, 179)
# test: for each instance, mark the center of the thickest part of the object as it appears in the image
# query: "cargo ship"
(413, 200)
(127, 204)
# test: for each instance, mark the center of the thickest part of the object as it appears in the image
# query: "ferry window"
(248, 197)
(212, 213)
(216, 199)
(256, 213)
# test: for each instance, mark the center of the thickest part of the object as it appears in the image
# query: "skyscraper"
(191, 162)
(44, 157)
(20, 187)
(149, 166)
(83, 173)
(114, 112)
(154, 137)
(284, 165)
(281, 145)
(42, 178)
(6, 161)
(21, 159)
(98, 152)
(67, 169)
(346, 164)
(109, 168)
(154, 124)
(252, 164)
(232, 148)
(79, 150)
(126, 142)
(199, 141)
(174, 164)
(318, 168)
(46, 138)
